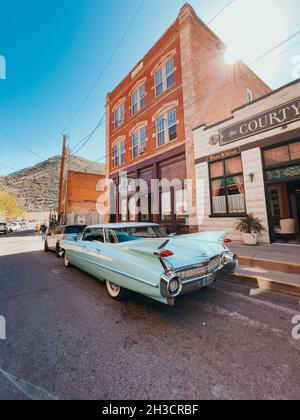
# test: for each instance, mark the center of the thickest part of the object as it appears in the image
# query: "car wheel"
(117, 292)
(67, 262)
(59, 252)
(46, 248)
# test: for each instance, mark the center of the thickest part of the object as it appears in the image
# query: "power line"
(89, 137)
(281, 53)
(20, 143)
(220, 11)
(275, 47)
(92, 132)
(8, 167)
(105, 66)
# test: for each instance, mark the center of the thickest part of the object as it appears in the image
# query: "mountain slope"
(36, 188)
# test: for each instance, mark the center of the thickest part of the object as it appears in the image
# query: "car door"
(54, 237)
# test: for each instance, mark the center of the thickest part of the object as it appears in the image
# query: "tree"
(9, 208)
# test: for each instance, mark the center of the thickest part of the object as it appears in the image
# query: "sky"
(55, 50)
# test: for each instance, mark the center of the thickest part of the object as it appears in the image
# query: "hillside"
(36, 188)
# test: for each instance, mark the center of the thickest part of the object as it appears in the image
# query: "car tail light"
(227, 241)
(164, 253)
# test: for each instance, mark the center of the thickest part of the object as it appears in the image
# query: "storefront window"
(277, 156)
(132, 209)
(217, 169)
(227, 187)
(181, 204)
(145, 213)
(283, 154)
(123, 209)
(166, 206)
(295, 151)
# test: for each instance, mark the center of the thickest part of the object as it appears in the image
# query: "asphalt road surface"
(67, 339)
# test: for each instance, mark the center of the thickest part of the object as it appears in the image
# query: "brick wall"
(211, 88)
(81, 197)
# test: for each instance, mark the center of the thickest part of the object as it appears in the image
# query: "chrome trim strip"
(184, 283)
(119, 272)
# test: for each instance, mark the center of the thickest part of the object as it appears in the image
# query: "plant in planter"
(250, 228)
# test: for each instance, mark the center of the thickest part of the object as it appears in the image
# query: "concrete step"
(269, 280)
(269, 264)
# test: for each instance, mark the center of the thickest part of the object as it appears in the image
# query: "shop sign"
(283, 174)
(224, 154)
(276, 117)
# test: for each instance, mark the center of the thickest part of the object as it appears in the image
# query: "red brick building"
(181, 83)
(80, 198)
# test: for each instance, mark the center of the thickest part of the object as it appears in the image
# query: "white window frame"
(119, 153)
(140, 99)
(166, 127)
(250, 95)
(139, 142)
(165, 75)
(119, 115)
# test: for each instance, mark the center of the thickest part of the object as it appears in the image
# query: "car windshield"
(70, 230)
(134, 234)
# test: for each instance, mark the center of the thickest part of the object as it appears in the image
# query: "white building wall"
(255, 191)
(252, 163)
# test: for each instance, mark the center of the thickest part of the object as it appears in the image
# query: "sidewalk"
(274, 266)
(277, 254)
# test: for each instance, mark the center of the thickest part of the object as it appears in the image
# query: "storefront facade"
(250, 163)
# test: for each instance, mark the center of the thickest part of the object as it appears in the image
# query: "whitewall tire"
(66, 261)
(116, 292)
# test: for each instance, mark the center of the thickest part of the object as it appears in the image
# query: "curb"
(266, 283)
(273, 265)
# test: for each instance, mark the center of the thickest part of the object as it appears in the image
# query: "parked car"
(3, 228)
(14, 227)
(142, 258)
(60, 233)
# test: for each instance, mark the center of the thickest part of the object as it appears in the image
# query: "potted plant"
(250, 228)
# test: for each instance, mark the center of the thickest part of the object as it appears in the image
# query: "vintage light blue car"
(141, 257)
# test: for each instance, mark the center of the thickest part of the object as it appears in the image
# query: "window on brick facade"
(166, 127)
(119, 153)
(159, 85)
(227, 187)
(249, 95)
(138, 99)
(170, 73)
(160, 130)
(164, 77)
(119, 115)
(139, 145)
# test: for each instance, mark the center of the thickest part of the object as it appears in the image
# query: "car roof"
(122, 225)
(66, 226)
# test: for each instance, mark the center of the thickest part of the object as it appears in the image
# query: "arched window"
(164, 77)
(166, 127)
(119, 153)
(139, 142)
(119, 114)
(249, 95)
(138, 99)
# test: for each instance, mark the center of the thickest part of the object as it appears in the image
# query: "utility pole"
(62, 177)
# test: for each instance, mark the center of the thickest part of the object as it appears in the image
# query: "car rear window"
(70, 230)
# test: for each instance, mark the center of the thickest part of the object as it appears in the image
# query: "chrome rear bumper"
(197, 277)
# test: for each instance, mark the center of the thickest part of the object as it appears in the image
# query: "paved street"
(67, 339)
